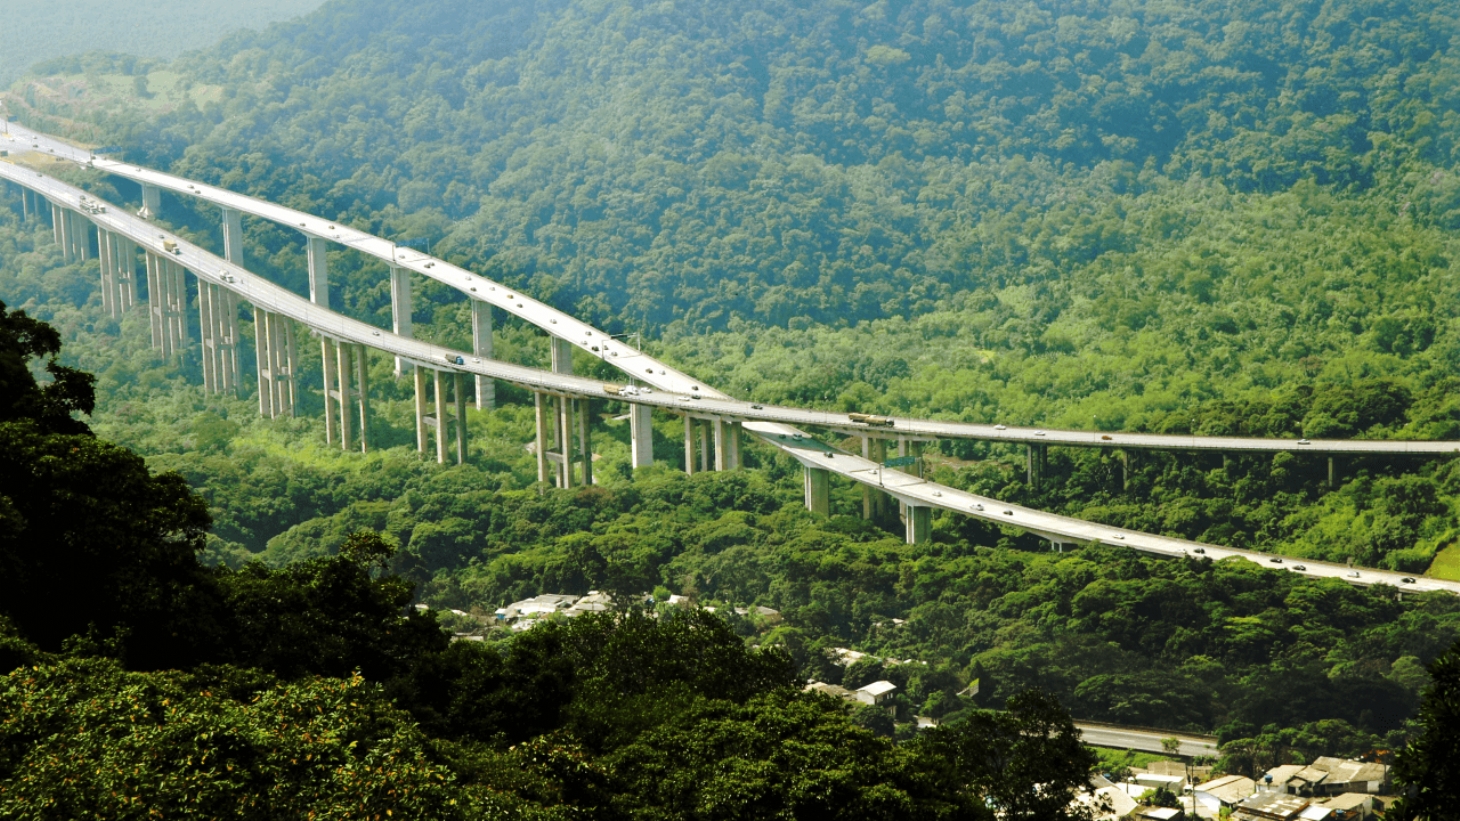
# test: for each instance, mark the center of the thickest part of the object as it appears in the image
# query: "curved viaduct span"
(713, 420)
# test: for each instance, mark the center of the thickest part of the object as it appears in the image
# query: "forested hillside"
(1206, 217)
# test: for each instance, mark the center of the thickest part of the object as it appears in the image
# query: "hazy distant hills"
(34, 31)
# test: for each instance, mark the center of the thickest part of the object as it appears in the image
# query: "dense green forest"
(1206, 217)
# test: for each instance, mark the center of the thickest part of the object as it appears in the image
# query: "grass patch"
(1112, 759)
(1446, 564)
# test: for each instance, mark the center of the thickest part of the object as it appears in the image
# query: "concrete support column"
(565, 441)
(584, 441)
(58, 230)
(689, 445)
(641, 436)
(275, 345)
(1332, 473)
(319, 279)
(362, 394)
(541, 416)
(818, 491)
(233, 236)
(401, 306)
(437, 392)
(207, 333)
(727, 444)
(124, 264)
(919, 524)
(1036, 463)
(264, 355)
(167, 294)
(218, 316)
(329, 362)
(562, 355)
(151, 202)
(109, 302)
(875, 503)
(24, 204)
(1124, 470)
(79, 236)
(481, 345)
(343, 367)
(459, 395)
(420, 410)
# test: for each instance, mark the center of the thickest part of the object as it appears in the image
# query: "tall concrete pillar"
(420, 410)
(540, 416)
(440, 402)
(274, 342)
(401, 306)
(207, 333)
(151, 202)
(1037, 463)
(481, 345)
(264, 356)
(641, 436)
(459, 395)
(565, 441)
(562, 355)
(689, 445)
(344, 366)
(218, 317)
(319, 278)
(233, 236)
(919, 524)
(79, 235)
(108, 281)
(327, 357)
(875, 503)
(727, 444)
(167, 293)
(818, 490)
(584, 440)
(1332, 473)
(362, 394)
(24, 204)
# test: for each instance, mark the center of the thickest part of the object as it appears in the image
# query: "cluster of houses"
(525, 614)
(1329, 789)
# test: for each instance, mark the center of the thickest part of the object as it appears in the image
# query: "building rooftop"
(1229, 788)
(1272, 805)
(1348, 801)
(878, 688)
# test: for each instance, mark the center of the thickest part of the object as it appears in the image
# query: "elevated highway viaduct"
(713, 420)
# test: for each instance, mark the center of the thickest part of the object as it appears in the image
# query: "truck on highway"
(869, 419)
(170, 247)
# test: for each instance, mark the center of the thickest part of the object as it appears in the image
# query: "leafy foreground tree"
(1430, 766)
